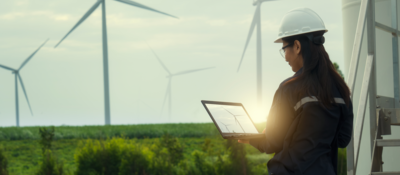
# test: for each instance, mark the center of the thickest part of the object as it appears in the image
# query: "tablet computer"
(231, 119)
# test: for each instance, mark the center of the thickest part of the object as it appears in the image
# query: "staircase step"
(388, 142)
(386, 173)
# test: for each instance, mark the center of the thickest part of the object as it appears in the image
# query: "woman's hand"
(246, 141)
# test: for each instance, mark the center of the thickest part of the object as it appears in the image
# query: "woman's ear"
(297, 47)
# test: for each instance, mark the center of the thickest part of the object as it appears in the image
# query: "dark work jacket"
(305, 136)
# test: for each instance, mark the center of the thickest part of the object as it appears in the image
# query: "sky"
(65, 84)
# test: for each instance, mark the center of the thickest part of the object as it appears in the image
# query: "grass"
(184, 130)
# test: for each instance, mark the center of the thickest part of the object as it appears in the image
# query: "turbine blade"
(229, 112)
(252, 26)
(33, 54)
(190, 71)
(8, 68)
(144, 7)
(26, 95)
(224, 124)
(159, 60)
(86, 15)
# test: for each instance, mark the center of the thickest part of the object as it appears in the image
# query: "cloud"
(12, 15)
(267, 25)
(22, 2)
(270, 26)
(121, 20)
(217, 22)
(35, 14)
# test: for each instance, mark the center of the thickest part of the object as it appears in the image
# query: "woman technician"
(311, 115)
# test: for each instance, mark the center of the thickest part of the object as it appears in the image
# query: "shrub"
(237, 157)
(46, 137)
(174, 148)
(213, 162)
(337, 69)
(118, 156)
(99, 157)
(133, 161)
(3, 163)
(342, 161)
(165, 156)
(159, 158)
(208, 147)
(260, 169)
(203, 166)
(50, 165)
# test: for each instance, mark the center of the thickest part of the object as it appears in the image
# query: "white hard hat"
(299, 21)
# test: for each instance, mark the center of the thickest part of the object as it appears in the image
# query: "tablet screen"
(232, 119)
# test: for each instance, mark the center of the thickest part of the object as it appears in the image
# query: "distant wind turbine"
(256, 21)
(16, 72)
(105, 45)
(226, 126)
(170, 76)
(236, 120)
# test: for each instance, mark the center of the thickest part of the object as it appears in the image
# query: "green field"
(130, 131)
(22, 149)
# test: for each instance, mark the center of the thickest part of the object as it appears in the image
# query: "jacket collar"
(298, 72)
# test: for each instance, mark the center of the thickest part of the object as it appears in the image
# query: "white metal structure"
(17, 74)
(169, 88)
(256, 22)
(105, 45)
(377, 51)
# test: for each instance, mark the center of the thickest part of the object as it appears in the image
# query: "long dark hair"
(319, 76)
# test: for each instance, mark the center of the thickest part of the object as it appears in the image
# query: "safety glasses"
(282, 50)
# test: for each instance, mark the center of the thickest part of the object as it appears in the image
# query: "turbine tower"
(170, 76)
(16, 72)
(256, 22)
(105, 45)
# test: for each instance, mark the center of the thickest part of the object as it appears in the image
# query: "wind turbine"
(16, 72)
(170, 76)
(105, 45)
(226, 126)
(256, 22)
(236, 120)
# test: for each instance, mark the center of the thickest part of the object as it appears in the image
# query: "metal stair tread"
(386, 173)
(388, 142)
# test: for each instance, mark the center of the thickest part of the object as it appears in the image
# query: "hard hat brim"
(279, 39)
